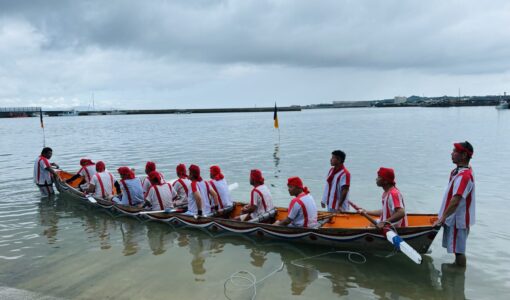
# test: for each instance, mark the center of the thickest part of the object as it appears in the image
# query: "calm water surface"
(55, 247)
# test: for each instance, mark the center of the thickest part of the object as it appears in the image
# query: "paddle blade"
(409, 251)
(91, 199)
(233, 186)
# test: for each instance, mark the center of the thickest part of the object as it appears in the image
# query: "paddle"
(90, 198)
(175, 210)
(392, 237)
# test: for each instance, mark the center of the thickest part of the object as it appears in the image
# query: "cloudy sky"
(214, 53)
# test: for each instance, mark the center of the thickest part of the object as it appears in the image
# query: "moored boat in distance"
(343, 230)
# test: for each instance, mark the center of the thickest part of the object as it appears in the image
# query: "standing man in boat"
(336, 190)
(260, 197)
(457, 213)
(302, 210)
(182, 186)
(131, 188)
(160, 194)
(87, 171)
(43, 172)
(393, 209)
(220, 186)
(150, 166)
(199, 198)
(103, 183)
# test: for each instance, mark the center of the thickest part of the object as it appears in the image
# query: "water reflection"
(276, 159)
(393, 277)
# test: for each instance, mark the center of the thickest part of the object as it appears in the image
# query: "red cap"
(126, 172)
(463, 147)
(150, 166)
(256, 176)
(86, 162)
(155, 176)
(195, 171)
(181, 170)
(100, 166)
(216, 173)
(387, 174)
(295, 181)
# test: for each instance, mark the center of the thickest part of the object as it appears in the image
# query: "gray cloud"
(130, 50)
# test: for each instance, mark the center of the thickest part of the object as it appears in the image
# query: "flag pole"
(42, 126)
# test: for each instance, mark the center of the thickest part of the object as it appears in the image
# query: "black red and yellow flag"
(275, 116)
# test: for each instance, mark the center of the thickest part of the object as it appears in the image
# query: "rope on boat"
(244, 280)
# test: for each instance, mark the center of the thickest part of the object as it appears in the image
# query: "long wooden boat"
(342, 230)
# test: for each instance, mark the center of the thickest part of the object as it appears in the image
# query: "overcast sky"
(214, 53)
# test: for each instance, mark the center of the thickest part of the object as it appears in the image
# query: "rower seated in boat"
(260, 198)
(182, 186)
(220, 186)
(393, 208)
(199, 197)
(160, 195)
(103, 183)
(87, 170)
(131, 189)
(146, 182)
(302, 210)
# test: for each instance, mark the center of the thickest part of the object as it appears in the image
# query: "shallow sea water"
(54, 247)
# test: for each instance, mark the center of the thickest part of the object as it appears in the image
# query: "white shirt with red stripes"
(462, 182)
(391, 200)
(88, 172)
(303, 211)
(333, 191)
(261, 197)
(203, 188)
(146, 183)
(182, 186)
(104, 183)
(41, 175)
(221, 188)
(160, 196)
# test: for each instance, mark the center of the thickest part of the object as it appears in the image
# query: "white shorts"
(454, 239)
(46, 190)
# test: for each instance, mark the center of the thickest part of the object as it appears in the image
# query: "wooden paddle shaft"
(372, 220)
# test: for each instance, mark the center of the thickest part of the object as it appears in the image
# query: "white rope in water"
(250, 279)
(244, 280)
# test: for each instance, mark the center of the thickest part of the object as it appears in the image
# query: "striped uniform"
(182, 186)
(335, 183)
(391, 200)
(87, 172)
(456, 226)
(42, 177)
(160, 196)
(132, 193)
(221, 188)
(303, 211)
(202, 187)
(261, 197)
(104, 183)
(146, 183)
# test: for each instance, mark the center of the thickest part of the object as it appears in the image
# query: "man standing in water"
(336, 191)
(43, 172)
(457, 212)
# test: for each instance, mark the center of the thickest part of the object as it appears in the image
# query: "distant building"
(400, 100)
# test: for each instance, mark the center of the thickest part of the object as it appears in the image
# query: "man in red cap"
(43, 172)
(87, 171)
(219, 185)
(260, 197)
(182, 186)
(302, 211)
(336, 191)
(150, 166)
(393, 208)
(161, 194)
(457, 213)
(131, 188)
(103, 182)
(199, 198)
